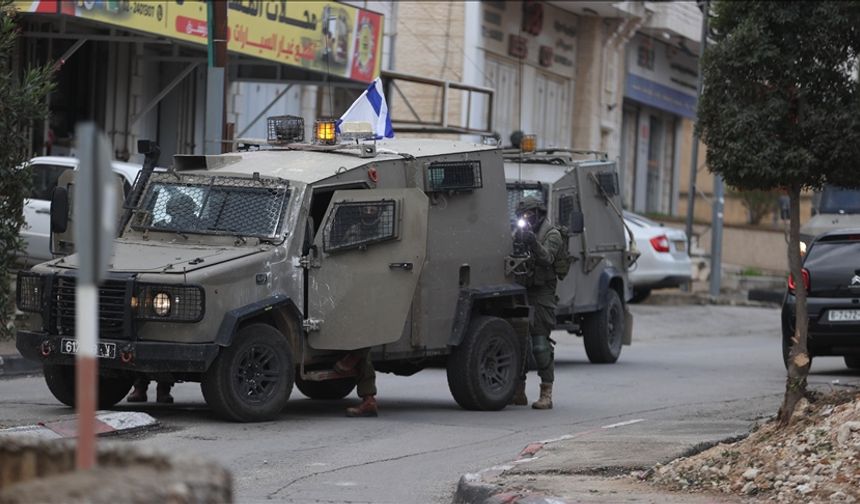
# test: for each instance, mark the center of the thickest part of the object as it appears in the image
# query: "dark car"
(831, 277)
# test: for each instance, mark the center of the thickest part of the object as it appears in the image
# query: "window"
(45, 180)
(565, 210)
(454, 176)
(354, 225)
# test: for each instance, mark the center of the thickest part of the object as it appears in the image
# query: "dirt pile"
(816, 459)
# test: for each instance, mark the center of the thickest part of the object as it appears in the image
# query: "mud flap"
(628, 327)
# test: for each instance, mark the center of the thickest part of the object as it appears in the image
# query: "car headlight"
(169, 303)
(28, 292)
(161, 304)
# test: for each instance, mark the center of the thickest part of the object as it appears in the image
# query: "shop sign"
(661, 75)
(536, 32)
(321, 36)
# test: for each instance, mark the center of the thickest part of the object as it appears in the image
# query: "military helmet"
(531, 203)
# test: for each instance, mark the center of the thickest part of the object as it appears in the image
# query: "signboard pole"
(216, 79)
(95, 223)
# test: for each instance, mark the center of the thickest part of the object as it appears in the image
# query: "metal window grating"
(29, 291)
(608, 182)
(220, 205)
(454, 176)
(186, 302)
(282, 130)
(354, 225)
(565, 210)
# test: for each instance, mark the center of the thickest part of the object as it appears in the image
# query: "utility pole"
(216, 81)
(717, 237)
(694, 164)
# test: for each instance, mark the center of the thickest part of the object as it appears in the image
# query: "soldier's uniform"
(545, 247)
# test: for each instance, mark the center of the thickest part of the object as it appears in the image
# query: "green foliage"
(22, 101)
(759, 203)
(780, 106)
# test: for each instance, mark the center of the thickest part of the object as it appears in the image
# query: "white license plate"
(681, 246)
(70, 347)
(843, 315)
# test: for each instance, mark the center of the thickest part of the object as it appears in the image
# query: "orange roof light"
(528, 143)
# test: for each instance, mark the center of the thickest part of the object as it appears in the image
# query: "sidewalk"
(11, 362)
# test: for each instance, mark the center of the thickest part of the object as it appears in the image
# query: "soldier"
(545, 242)
(368, 228)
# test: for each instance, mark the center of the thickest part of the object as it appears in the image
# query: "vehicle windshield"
(199, 204)
(519, 192)
(838, 200)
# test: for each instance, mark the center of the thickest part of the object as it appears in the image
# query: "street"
(690, 368)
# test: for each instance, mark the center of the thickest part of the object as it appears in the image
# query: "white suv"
(36, 231)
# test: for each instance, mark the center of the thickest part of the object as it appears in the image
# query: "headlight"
(168, 303)
(161, 304)
(28, 292)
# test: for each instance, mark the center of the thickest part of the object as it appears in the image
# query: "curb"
(107, 423)
(478, 488)
(16, 365)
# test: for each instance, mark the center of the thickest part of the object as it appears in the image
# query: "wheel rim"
(613, 327)
(256, 374)
(496, 368)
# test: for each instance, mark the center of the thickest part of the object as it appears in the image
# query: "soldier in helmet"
(545, 243)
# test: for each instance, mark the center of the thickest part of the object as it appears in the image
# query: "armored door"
(369, 253)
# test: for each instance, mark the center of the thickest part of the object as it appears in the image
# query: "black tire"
(61, 383)
(640, 295)
(325, 390)
(852, 361)
(603, 331)
(484, 368)
(251, 380)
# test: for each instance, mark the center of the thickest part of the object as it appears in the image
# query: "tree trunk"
(798, 360)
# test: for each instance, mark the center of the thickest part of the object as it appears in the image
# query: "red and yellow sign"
(316, 35)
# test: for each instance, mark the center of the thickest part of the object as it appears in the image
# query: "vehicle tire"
(640, 295)
(484, 368)
(325, 390)
(61, 383)
(251, 380)
(603, 331)
(852, 361)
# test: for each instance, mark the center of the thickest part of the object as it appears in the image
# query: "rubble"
(815, 459)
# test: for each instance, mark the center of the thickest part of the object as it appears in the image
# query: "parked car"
(664, 262)
(833, 207)
(46, 170)
(831, 277)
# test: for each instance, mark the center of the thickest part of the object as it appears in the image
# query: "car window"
(838, 200)
(44, 177)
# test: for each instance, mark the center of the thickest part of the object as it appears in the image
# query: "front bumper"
(145, 356)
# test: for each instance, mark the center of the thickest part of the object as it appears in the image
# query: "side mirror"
(577, 222)
(59, 210)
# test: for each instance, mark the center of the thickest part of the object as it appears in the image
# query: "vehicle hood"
(822, 223)
(165, 258)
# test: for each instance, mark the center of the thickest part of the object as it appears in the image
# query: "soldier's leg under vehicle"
(61, 383)
(251, 380)
(603, 331)
(366, 375)
(484, 369)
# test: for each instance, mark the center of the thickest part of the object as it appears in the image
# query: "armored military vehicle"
(581, 192)
(251, 271)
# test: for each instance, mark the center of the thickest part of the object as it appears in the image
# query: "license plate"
(843, 315)
(70, 347)
(681, 246)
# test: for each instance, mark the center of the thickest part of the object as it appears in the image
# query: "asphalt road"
(690, 367)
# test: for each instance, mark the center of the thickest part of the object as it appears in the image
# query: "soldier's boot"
(367, 408)
(347, 363)
(545, 400)
(519, 398)
(162, 393)
(139, 392)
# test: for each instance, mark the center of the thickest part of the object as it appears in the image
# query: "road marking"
(622, 424)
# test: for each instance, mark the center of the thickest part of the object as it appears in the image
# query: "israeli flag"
(371, 107)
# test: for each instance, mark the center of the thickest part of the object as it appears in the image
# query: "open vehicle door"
(370, 251)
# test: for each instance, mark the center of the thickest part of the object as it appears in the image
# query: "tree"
(22, 101)
(758, 203)
(780, 110)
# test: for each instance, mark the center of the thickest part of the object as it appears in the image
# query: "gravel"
(815, 459)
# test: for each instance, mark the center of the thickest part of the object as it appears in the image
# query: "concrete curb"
(15, 365)
(107, 423)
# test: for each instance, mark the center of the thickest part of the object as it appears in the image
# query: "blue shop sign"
(660, 96)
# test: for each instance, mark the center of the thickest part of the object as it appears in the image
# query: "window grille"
(608, 182)
(565, 210)
(358, 224)
(454, 176)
